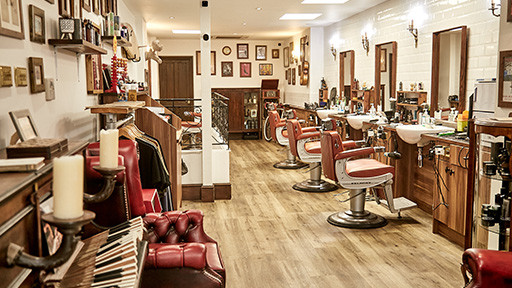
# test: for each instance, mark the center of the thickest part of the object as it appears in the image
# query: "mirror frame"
(342, 56)
(434, 90)
(377, 71)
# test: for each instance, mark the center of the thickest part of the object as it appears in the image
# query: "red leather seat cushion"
(191, 124)
(367, 168)
(313, 147)
(285, 133)
(176, 255)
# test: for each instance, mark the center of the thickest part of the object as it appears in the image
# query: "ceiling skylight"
(300, 16)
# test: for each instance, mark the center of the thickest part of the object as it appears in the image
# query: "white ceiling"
(228, 16)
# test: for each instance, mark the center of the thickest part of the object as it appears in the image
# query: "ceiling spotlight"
(172, 17)
(245, 23)
(259, 8)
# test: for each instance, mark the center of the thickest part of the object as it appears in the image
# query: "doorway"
(176, 74)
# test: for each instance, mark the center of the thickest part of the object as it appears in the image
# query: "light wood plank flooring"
(273, 236)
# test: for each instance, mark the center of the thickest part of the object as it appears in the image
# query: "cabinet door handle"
(449, 171)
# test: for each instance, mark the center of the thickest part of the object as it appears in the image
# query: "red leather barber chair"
(487, 268)
(357, 176)
(181, 255)
(280, 135)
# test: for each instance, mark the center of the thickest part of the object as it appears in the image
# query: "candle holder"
(68, 227)
(109, 183)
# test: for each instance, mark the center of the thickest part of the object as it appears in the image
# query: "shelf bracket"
(55, 60)
(78, 66)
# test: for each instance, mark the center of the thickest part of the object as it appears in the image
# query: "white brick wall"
(390, 20)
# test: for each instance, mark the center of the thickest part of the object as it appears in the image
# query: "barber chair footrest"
(348, 219)
(400, 204)
(289, 164)
(314, 186)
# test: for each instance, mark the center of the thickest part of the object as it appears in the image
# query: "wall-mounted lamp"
(494, 7)
(414, 32)
(366, 43)
(333, 51)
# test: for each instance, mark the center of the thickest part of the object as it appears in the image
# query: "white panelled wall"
(388, 22)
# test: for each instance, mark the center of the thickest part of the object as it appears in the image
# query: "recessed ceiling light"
(186, 31)
(300, 16)
(172, 17)
(324, 1)
(245, 23)
(259, 8)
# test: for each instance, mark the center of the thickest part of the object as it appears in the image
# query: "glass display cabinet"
(489, 197)
(251, 112)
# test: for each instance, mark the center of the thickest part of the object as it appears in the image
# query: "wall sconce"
(494, 7)
(414, 32)
(366, 43)
(109, 183)
(333, 52)
(68, 227)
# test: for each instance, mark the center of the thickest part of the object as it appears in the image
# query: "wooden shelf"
(407, 105)
(77, 46)
(356, 100)
(121, 42)
(412, 92)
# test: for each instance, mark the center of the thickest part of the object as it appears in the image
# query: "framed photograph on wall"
(291, 53)
(87, 5)
(36, 71)
(11, 19)
(286, 57)
(51, 1)
(261, 52)
(245, 69)
(93, 73)
(505, 80)
(509, 11)
(212, 63)
(76, 8)
(65, 8)
(266, 69)
(289, 74)
(36, 24)
(275, 53)
(242, 51)
(293, 76)
(227, 68)
(383, 61)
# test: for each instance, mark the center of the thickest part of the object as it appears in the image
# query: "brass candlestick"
(109, 182)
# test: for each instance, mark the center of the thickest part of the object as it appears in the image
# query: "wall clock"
(226, 50)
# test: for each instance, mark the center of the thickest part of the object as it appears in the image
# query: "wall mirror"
(449, 60)
(347, 60)
(385, 74)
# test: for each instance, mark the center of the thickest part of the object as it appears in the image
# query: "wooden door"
(176, 75)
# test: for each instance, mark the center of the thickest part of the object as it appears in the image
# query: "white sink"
(412, 133)
(356, 121)
(324, 113)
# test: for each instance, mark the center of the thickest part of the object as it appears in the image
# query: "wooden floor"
(273, 236)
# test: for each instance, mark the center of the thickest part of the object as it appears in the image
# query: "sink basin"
(356, 121)
(412, 133)
(324, 113)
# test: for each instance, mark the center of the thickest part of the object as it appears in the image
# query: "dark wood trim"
(222, 191)
(207, 193)
(441, 229)
(436, 37)
(191, 192)
(377, 70)
(342, 70)
(471, 184)
(194, 192)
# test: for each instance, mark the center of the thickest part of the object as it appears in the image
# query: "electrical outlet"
(440, 151)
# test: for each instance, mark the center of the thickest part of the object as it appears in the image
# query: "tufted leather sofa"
(180, 253)
(488, 268)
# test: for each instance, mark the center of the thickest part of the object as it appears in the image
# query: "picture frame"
(24, 124)
(96, 7)
(245, 69)
(293, 76)
(11, 19)
(226, 50)
(93, 73)
(242, 51)
(36, 73)
(291, 53)
(20, 76)
(266, 69)
(51, 1)
(286, 57)
(5, 76)
(37, 24)
(275, 53)
(76, 9)
(261, 52)
(289, 73)
(505, 80)
(65, 8)
(303, 42)
(383, 61)
(227, 68)
(87, 5)
(509, 11)
(213, 58)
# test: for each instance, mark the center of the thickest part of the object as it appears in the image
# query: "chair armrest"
(308, 135)
(488, 268)
(355, 152)
(281, 124)
(349, 144)
(309, 129)
(191, 255)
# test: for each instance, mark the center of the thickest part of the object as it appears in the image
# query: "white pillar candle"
(109, 147)
(68, 187)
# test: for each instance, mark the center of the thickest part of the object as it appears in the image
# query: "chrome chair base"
(290, 164)
(316, 186)
(349, 219)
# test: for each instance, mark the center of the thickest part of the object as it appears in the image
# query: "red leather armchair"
(487, 268)
(280, 135)
(180, 253)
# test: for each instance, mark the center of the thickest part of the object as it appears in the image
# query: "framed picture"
(505, 79)
(76, 8)
(87, 5)
(509, 11)
(24, 124)
(36, 71)
(291, 53)
(265, 69)
(51, 1)
(65, 8)
(286, 57)
(289, 73)
(226, 50)
(299, 70)
(36, 24)
(383, 63)
(11, 19)
(212, 63)
(20, 76)
(5, 76)
(245, 69)
(93, 73)
(227, 68)
(242, 51)
(303, 42)
(293, 76)
(96, 7)
(275, 53)
(261, 52)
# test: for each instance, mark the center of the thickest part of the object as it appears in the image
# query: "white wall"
(188, 47)
(64, 116)
(388, 22)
